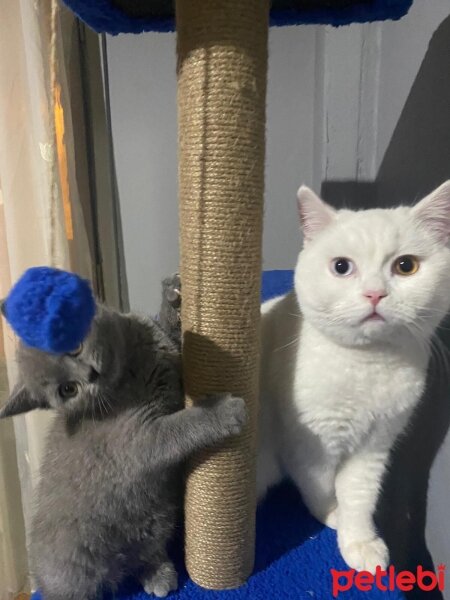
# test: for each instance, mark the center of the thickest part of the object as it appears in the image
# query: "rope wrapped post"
(222, 74)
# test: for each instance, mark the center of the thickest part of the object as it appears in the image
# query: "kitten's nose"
(375, 296)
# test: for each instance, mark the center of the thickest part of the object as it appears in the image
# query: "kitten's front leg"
(170, 311)
(357, 486)
(178, 435)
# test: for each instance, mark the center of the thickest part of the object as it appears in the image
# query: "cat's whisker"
(99, 404)
(439, 352)
(84, 414)
(440, 327)
(103, 407)
(442, 361)
(106, 404)
(423, 312)
(287, 345)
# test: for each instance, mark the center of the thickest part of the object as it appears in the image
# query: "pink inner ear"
(312, 222)
(434, 212)
(315, 214)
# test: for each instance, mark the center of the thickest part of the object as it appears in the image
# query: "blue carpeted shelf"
(276, 283)
(108, 15)
(294, 553)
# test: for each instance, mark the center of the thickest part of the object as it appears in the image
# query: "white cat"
(345, 357)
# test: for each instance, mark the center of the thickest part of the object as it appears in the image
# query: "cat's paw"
(231, 413)
(365, 555)
(172, 290)
(162, 582)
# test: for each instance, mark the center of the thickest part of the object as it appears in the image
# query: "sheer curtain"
(41, 223)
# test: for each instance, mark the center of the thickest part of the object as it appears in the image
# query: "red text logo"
(404, 581)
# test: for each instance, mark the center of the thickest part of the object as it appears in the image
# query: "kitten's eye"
(76, 352)
(406, 265)
(68, 390)
(342, 267)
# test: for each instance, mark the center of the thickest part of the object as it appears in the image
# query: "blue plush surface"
(103, 16)
(294, 553)
(358, 12)
(276, 283)
(50, 309)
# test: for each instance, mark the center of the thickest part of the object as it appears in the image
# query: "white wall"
(143, 107)
(403, 46)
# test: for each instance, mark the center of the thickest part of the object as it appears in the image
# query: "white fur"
(336, 391)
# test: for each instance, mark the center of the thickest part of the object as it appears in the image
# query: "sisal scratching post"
(222, 72)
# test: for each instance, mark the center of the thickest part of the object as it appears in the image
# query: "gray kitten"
(111, 482)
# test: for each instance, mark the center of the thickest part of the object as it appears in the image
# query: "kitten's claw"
(231, 413)
(172, 290)
(161, 583)
(366, 555)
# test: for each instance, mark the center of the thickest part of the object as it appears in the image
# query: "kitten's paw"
(162, 582)
(366, 555)
(172, 290)
(231, 413)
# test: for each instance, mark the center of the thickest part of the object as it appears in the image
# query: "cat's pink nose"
(375, 296)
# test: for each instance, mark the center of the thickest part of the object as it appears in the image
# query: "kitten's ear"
(20, 401)
(315, 214)
(434, 212)
(3, 306)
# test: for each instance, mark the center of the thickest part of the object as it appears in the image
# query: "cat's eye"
(68, 390)
(406, 265)
(77, 351)
(342, 267)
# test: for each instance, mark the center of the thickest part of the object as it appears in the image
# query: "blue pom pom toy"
(50, 309)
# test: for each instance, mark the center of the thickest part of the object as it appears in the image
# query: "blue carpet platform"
(294, 553)
(123, 16)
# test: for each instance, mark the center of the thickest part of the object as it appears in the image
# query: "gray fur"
(111, 482)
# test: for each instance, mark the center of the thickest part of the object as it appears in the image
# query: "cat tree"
(222, 72)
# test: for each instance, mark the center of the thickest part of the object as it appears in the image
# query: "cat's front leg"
(358, 483)
(178, 435)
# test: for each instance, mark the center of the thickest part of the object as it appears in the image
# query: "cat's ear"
(3, 306)
(20, 401)
(315, 214)
(434, 212)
